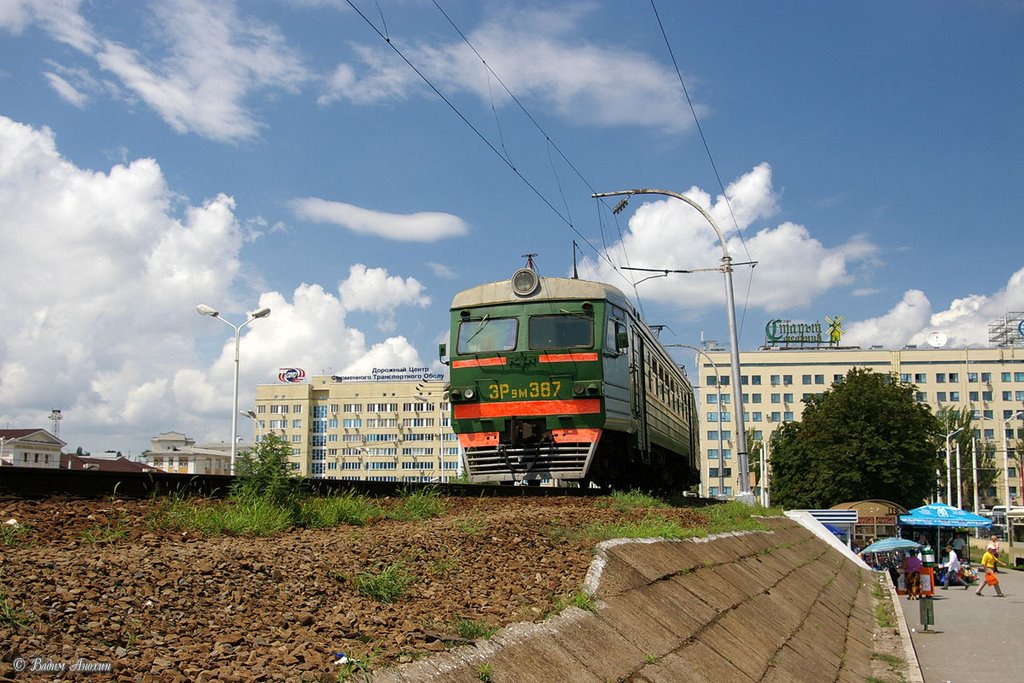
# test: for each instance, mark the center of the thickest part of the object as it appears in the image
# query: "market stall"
(936, 525)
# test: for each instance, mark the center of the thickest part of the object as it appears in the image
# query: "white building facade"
(393, 424)
(775, 382)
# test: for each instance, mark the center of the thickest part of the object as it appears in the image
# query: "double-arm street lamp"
(213, 313)
(1006, 475)
(737, 392)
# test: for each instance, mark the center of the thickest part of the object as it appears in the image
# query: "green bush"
(263, 473)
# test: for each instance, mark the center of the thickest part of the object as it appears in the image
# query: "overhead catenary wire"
(483, 138)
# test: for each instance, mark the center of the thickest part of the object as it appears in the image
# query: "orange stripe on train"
(479, 439)
(575, 435)
(579, 406)
(478, 362)
(566, 357)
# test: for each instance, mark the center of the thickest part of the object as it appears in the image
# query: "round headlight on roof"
(525, 282)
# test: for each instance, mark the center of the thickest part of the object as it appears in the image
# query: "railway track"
(31, 482)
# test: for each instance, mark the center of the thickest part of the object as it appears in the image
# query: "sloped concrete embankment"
(755, 606)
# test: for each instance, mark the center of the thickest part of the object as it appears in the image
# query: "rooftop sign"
(787, 333)
(409, 374)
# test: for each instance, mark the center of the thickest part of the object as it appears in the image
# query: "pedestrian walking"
(989, 561)
(952, 569)
(912, 574)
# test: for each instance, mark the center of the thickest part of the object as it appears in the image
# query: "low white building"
(176, 453)
(30, 448)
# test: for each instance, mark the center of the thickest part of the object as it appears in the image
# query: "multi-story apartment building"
(391, 425)
(776, 379)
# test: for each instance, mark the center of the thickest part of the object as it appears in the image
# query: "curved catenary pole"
(737, 392)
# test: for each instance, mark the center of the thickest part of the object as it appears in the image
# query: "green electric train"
(560, 379)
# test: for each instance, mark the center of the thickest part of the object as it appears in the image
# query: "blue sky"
(154, 156)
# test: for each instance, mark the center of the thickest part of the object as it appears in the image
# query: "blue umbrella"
(886, 545)
(836, 531)
(941, 515)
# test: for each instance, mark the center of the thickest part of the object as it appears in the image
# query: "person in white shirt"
(952, 568)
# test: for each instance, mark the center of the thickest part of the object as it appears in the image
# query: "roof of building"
(18, 434)
(70, 461)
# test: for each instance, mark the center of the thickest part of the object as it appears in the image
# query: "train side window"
(615, 340)
(487, 335)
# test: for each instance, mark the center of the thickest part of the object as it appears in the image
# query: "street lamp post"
(949, 468)
(726, 269)
(203, 309)
(718, 389)
(1006, 476)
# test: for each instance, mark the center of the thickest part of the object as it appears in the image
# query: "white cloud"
(440, 270)
(102, 277)
(964, 323)
(372, 289)
(213, 61)
(425, 226)
(67, 92)
(539, 55)
(60, 19)
(793, 267)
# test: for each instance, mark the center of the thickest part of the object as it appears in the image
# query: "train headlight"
(525, 282)
(469, 393)
(578, 388)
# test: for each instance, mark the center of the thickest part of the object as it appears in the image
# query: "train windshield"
(567, 331)
(487, 335)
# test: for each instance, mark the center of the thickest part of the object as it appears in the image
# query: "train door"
(639, 375)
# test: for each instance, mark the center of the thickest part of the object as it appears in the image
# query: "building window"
(712, 398)
(972, 377)
(787, 380)
(756, 379)
(1005, 376)
(922, 397)
(776, 380)
(954, 396)
(352, 408)
(954, 377)
(297, 408)
(920, 378)
(905, 377)
(712, 417)
(756, 416)
(787, 398)
(940, 396)
(972, 396)
(986, 377)
(805, 379)
(776, 398)
(756, 398)
(788, 416)
(940, 377)
(1018, 377)
(712, 454)
(986, 396)
(776, 417)
(713, 472)
(819, 379)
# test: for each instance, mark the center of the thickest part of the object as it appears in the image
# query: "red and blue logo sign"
(293, 375)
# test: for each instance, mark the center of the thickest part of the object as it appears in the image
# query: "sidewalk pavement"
(973, 638)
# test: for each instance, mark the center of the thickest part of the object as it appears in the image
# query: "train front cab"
(527, 390)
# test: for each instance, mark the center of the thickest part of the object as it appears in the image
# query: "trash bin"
(927, 607)
(928, 556)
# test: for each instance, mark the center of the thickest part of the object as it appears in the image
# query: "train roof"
(550, 289)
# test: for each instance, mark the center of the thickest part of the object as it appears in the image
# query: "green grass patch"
(651, 526)
(13, 534)
(11, 615)
(386, 585)
(580, 599)
(736, 516)
(253, 516)
(417, 505)
(472, 630)
(471, 526)
(484, 673)
(104, 533)
(332, 510)
(624, 501)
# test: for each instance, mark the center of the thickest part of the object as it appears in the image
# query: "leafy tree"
(263, 473)
(866, 437)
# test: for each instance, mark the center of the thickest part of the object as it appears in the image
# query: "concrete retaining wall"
(779, 605)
